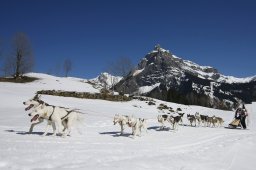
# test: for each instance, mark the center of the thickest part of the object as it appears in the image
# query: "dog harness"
(67, 114)
(50, 118)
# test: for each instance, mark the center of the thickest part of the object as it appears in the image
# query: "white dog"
(56, 116)
(122, 120)
(32, 104)
(137, 125)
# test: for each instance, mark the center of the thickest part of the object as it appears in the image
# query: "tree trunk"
(18, 64)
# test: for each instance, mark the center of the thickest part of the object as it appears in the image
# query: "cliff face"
(162, 75)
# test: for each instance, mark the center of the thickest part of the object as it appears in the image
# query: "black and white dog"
(181, 118)
(204, 119)
(162, 119)
(174, 120)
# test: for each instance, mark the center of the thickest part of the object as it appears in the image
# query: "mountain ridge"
(183, 81)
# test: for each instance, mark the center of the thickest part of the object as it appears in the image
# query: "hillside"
(95, 142)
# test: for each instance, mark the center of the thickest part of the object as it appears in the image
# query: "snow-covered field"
(95, 142)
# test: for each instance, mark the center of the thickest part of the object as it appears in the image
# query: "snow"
(48, 82)
(136, 72)
(174, 56)
(193, 67)
(146, 89)
(96, 145)
(161, 50)
(232, 79)
(105, 80)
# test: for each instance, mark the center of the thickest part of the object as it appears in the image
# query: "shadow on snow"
(28, 133)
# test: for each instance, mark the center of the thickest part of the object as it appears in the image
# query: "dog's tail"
(79, 122)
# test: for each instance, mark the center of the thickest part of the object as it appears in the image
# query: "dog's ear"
(43, 105)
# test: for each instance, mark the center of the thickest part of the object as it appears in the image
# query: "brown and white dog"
(219, 121)
(211, 121)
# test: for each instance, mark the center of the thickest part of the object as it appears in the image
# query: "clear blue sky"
(93, 33)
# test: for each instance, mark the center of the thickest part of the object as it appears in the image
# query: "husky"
(181, 118)
(191, 119)
(174, 120)
(211, 121)
(204, 119)
(137, 124)
(122, 120)
(32, 104)
(161, 119)
(56, 116)
(219, 121)
(198, 118)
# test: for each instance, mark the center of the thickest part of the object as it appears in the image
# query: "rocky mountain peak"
(162, 75)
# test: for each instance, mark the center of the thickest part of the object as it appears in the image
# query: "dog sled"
(234, 124)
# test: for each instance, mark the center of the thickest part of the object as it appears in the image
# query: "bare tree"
(21, 59)
(67, 66)
(1, 55)
(58, 69)
(8, 67)
(1, 49)
(121, 67)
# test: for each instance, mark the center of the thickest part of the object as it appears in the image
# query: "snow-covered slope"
(96, 145)
(105, 80)
(48, 82)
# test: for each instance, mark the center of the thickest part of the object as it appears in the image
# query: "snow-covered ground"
(95, 142)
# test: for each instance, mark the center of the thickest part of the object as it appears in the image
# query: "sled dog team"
(59, 117)
(194, 120)
(208, 121)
